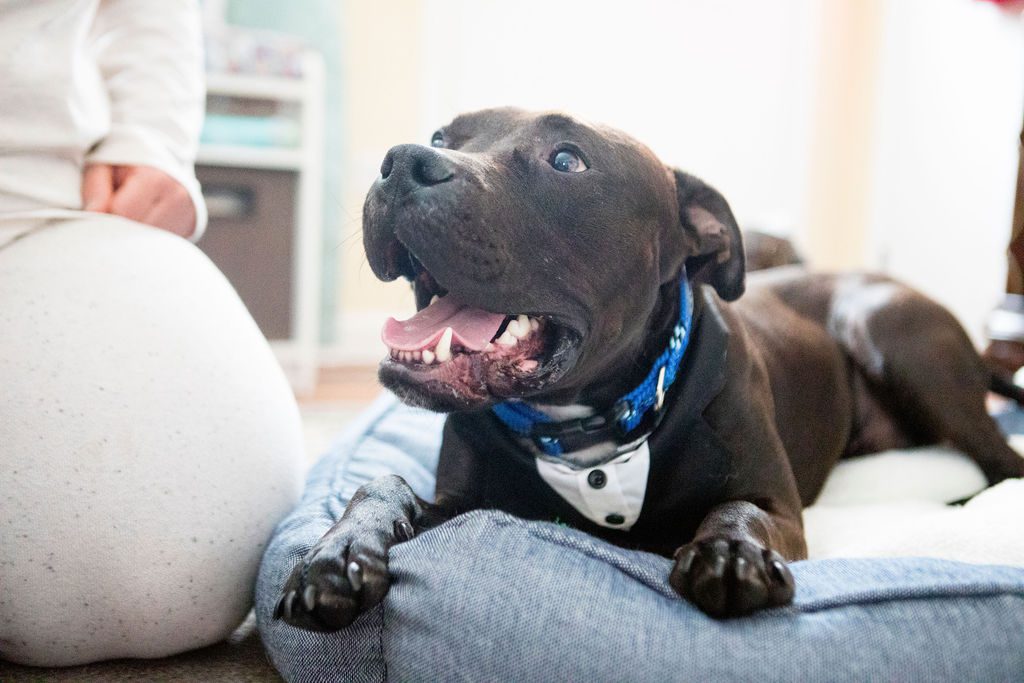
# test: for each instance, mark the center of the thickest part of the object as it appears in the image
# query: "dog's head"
(542, 251)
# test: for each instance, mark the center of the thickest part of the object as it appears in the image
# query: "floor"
(341, 394)
(239, 662)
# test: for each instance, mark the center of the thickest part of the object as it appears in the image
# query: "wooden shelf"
(240, 156)
(255, 87)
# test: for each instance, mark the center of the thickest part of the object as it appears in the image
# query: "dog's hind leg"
(920, 363)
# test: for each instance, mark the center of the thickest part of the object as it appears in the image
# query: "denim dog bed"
(487, 596)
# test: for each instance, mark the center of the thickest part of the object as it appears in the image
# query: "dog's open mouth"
(452, 354)
(447, 330)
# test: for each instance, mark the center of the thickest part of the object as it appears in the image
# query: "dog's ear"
(712, 245)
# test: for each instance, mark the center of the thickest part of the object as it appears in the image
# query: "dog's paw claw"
(719, 558)
(780, 572)
(309, 598)
(403, 530)
(745, 572)
(730, 578)
(283, 610)
(684, 558)
(354, 572)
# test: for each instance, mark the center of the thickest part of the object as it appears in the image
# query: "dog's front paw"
(728, 578)
(343, 575)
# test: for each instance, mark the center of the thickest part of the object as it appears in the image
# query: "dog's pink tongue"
(472, 328)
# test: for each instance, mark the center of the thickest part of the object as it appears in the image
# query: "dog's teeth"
(433, 299)
(522, 329)
(534, 324)
(416, 355)
(443, 352)
(428, 356)
(513, 328)
(506, 338)
(489, 347)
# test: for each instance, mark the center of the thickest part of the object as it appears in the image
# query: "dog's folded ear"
(712, 245)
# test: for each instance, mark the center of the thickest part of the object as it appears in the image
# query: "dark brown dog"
(572, 239)
(764, 251)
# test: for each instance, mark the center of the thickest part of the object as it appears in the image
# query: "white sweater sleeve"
(151, 58)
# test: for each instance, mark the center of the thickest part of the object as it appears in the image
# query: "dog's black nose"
(416, 165)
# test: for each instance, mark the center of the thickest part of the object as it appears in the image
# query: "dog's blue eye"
(567, 161)
(437, 139)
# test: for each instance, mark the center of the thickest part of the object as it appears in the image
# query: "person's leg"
(148, 445)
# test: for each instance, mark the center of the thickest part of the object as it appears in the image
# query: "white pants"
(148, 444)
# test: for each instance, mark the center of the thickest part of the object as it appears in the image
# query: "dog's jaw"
(465, 379)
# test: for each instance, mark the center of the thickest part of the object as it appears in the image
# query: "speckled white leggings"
(148, 444)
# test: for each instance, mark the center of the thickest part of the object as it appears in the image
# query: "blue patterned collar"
(631, 411)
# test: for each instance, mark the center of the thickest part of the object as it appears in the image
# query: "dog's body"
(805, 339)
(764, 251)
(773, 389)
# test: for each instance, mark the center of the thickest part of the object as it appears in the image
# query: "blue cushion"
(491, 597)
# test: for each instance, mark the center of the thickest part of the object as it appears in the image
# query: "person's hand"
(141, 193)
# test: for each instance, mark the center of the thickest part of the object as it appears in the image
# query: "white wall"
(769, 101)
(950, 106)
(721, 88)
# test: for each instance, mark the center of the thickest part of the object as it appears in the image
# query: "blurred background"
(879, 134)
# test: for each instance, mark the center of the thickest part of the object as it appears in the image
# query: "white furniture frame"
(299, 353)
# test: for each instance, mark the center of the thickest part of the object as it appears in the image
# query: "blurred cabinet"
(261, 167)
(251, 238)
